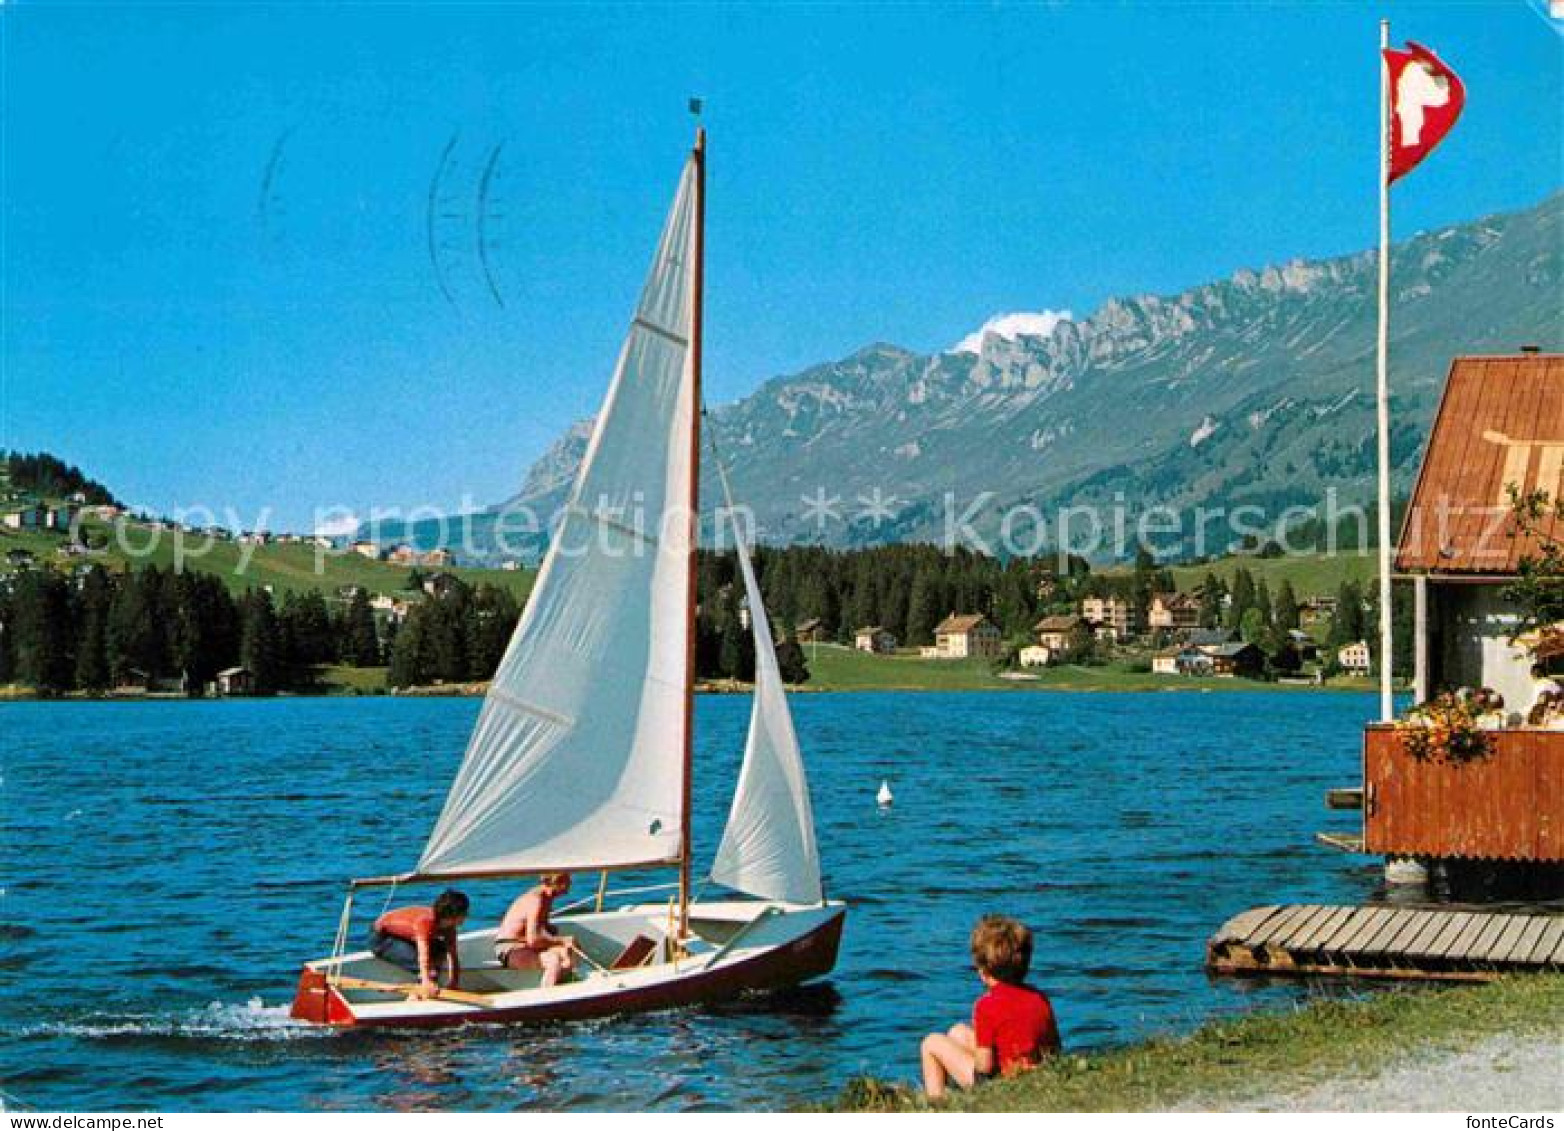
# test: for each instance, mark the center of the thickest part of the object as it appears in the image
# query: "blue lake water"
(166, 867)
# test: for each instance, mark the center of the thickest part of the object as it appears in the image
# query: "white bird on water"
(885, 797)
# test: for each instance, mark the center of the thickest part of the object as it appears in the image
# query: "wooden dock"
(1448, 943)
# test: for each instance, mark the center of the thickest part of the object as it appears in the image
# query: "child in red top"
(1013, 1025)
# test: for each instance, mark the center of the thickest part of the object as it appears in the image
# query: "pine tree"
(92, 618)
(360, 642)
(790, 659)
(1286, 615)
(44, 639)
(260, 645)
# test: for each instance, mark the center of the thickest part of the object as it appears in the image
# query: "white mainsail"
(768, 848)
(577, 760)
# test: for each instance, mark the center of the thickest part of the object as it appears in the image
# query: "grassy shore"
(1233, 1063)
(833, 667)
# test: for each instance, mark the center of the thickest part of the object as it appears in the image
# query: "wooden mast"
(696, 320)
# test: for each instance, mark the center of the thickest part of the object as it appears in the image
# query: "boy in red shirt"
(423, 939)
(1013, 1025)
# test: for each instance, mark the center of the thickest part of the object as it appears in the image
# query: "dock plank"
(1434, 922)
(1547, 940)
(1504, 946)
(1521, 953)
(1366, 929)
(1409, 924)
(1445, 943)
(1461, 945)
(1277, 931)
(1344, 929)
(1376, 941)
(1477, 950)
(1242, 925)
(1321, 927)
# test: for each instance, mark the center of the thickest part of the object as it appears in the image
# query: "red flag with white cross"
(1426, 98)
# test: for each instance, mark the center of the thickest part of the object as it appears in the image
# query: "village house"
(1316, 610)
(235, 681)
(1036, 656)
(1235, 659)
(439, 584)
(365, 548)
(1355, 658)
(1172, 612)
(1060, 634)
(1112, 618)
(811, 630)
(1305, 645)
(28, 518)
(254, 538)
(59, 518)
(439, 557)
(1182, 659)
(402, 554)
(874, 639)
(967, 635)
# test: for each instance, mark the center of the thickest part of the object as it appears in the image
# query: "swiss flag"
(1425, 100)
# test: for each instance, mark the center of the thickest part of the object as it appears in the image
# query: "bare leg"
(946, 1059)
(552, 966)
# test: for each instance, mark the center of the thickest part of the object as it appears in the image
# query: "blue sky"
(218, 283)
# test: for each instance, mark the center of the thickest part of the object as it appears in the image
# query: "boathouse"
(1499, 429)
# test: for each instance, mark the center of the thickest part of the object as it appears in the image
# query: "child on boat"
(1013, 1025)
(526, 938)
(422, 939)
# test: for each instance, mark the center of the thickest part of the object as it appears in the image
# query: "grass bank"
(834, 667)
(1235, 1062)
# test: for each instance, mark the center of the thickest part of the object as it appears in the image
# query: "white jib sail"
(768, 848)
(577, 760)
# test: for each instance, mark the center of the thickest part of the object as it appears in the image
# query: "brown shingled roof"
(1500, 422)
(964, 622)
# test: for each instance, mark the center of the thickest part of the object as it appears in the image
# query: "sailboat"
(581, 757)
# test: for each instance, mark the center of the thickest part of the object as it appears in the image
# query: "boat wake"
(253, 1020)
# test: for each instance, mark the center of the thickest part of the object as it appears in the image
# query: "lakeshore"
(1432, 1049)
(836, 668)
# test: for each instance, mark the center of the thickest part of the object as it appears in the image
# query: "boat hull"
(800, 958)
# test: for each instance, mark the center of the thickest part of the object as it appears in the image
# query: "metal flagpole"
(1386, 707)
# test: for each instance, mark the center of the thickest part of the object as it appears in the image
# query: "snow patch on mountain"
(1012, 326)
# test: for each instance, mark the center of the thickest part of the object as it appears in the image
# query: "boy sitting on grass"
(1013, 1025)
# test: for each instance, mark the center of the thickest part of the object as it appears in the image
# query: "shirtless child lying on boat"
(422, 939)
(526, 939)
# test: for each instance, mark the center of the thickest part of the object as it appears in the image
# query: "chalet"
(811, 630)
(1236, 658)
(1037, 656)
(874, 639)
(365, 548)
(393, 608)
(439, 557)
(1316, 610)
(439, 584)
(1499, 427)
(1112, 618)
(1181, 660)
(1062, 633)
(254, 538)
(1305, 645)
(1170, 612)
(969, 634)
(1355, 658)
(402, 554)
(236, 681)
(60, 517)
(28, 518)
(1207, 637)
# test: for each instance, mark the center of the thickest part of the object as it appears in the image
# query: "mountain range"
(1254, 390)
